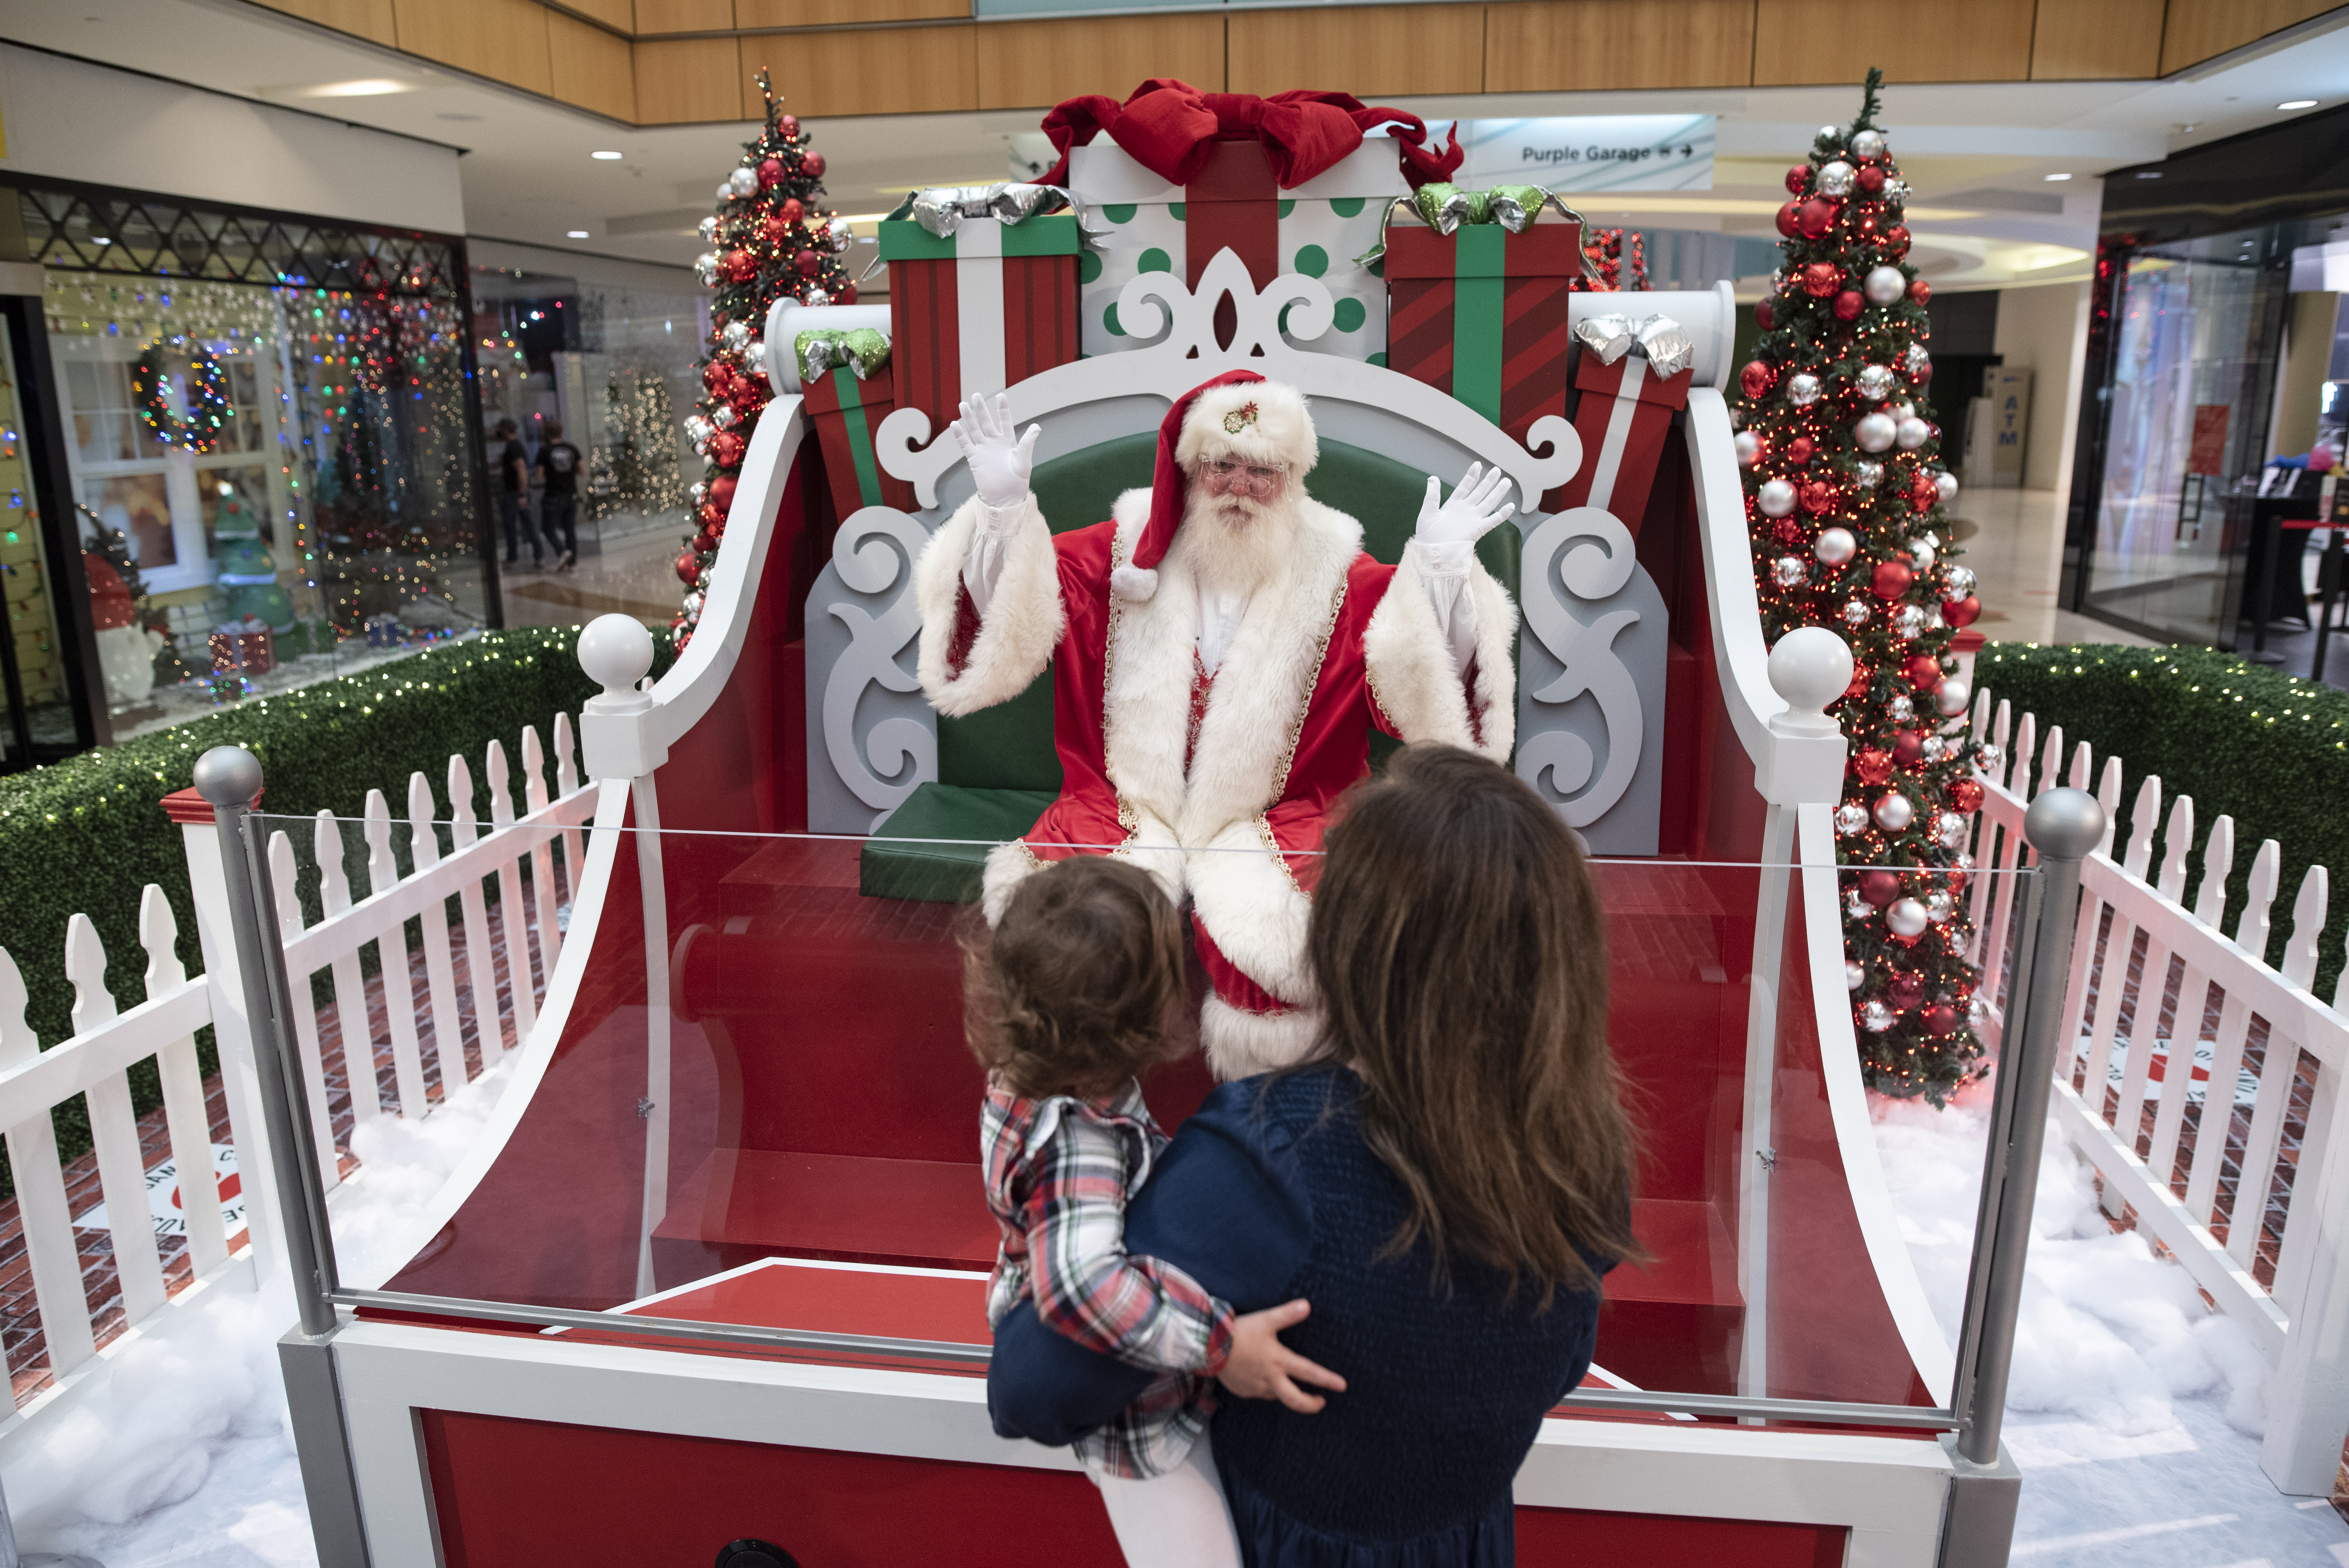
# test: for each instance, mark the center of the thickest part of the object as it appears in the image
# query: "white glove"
(1448, 530)
(1000, 459)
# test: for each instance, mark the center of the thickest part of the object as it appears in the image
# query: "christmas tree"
(771, 238)
(1844, 491)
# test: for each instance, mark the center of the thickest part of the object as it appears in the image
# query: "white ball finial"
(1810, 667)
(617, 652)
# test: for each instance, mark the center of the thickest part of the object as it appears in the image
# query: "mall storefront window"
(266, 446)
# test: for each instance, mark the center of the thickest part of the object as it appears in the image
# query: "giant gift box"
(846, 412)
(1481, 313)
(980, 309)
(1317, 228)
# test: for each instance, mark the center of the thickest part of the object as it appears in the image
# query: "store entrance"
(53, 639)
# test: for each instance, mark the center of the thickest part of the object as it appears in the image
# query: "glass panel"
(41, 711)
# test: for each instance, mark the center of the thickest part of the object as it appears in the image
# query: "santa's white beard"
(1235, 542)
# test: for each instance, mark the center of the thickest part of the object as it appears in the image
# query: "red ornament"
(1766, 314)
(1896, 241)
(1817, 497)
(791, 210)
(1921, 291)
(1818, 216)
(1921, 493)
(722, 492)
(1786, 531)
(1848, 304)
(1873, 766)
(1871, 178)
(1905, 989)
(726, 449)
(1798, 177)
(1964, 794)
(772, 229)
(705, 542)
(1908, 749)
(1941, 1018)
(1858, 687)
(813, 164)
(741, 266)
(709, 514)
(688, 569)
(1790, 219)
(717, 375)
(808, 262)
(790, 127)
(845, 294)
(771, 170)
(1961, 612)
(1800, 451)
(1890, 579)
(1821, 279)
(1757, 378)
(1880, 887)
(1923, 670)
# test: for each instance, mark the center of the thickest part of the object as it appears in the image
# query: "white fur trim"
(1240, 1044)
(1254, 909)
(1411, 667)
(1281, 433)
(1008, 865)
(1151, 846)
(1023, 620)
(1134, 584)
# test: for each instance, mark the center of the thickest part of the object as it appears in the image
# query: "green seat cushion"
(974, 820)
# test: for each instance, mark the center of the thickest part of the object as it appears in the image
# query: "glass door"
(43, 660)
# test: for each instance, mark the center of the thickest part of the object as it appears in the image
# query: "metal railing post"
(2062, 827)
(229, 777)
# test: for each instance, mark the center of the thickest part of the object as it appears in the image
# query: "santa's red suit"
(1204, 732)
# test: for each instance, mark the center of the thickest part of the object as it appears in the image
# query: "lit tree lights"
(769, 238)
(1843, 492)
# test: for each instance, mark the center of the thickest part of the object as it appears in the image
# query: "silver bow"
(942, 207)
(1661, 341)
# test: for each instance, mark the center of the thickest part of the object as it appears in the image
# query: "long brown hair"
(1074, 990)
(1458, 944)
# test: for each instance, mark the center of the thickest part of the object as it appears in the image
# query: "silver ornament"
(1803, 389)
(754, 356)
(1920, 552)
(1939, 905)
(1876, 1015)
(743, 182)
(1902, 707)
(1855, 975)
(1931, 747)
(726, 190)
(1987, 757)
(1904, 410)
(1894, 812)
(1884, 285)
(1957, 582)
(1850, 818)
(1875, 432)
(1835, 179)
(1953, 830)
(724, 416)
(1868, 144)
(737, 336)
(1830, 135)
(1918, 363)
(1875, 382)
(698, 427)
(1749, 449)
(708, 229)
(1775, 497)
(1835, 546)
(1951, 697)
(1856, 613)
(1908, 622)
(838, 236)
(1945, 485)
(1856, 906)
(815, 297)
(693, 602)
(1912, 434)
(705, 267)
(1907, 917)
(1790, 572)
(1869, 475)
(1977, 1012)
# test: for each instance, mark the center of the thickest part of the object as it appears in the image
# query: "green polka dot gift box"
(1315, 228)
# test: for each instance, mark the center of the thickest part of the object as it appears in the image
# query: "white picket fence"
(2208, 1058)
(106, 1044)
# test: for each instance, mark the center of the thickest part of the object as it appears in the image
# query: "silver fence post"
(2062, 827)
(229, 777)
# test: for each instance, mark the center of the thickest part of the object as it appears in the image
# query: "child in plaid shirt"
(1072, 998)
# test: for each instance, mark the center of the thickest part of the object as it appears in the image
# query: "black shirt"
(513, 464)
(559, 462)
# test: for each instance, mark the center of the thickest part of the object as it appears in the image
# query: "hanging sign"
(1591, 154)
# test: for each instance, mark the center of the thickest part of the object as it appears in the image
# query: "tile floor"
(634, 577)
(2013, 539)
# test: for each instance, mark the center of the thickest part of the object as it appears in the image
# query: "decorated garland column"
(1844, 491)
(770, 237)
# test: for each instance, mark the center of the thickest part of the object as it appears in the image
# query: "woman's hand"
(1261, 1368)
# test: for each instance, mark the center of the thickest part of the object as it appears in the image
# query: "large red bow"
(1170, 127)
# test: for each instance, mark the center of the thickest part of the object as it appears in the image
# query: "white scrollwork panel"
(873, 555)
(1585, 601)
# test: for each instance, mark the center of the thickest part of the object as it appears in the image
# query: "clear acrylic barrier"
(776, 1085)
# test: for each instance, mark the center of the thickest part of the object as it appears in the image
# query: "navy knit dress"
(1270, 1193)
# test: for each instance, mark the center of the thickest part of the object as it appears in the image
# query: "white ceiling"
(528, 176)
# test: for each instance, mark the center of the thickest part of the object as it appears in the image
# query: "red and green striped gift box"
(981, 310)
(846, 412)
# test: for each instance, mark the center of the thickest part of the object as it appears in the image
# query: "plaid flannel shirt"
(1059, 1171)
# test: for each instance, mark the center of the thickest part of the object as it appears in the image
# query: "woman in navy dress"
(1444, 1182)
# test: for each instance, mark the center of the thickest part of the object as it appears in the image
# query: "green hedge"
(2268, 749)
(88, 834)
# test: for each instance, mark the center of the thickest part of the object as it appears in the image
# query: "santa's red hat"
(1240, 415)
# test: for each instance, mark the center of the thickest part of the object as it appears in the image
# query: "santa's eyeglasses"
(1225, 476)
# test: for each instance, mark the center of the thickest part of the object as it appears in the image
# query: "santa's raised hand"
(1478, 504)
(1000, 457)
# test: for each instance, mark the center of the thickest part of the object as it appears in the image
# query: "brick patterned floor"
(20, 1323)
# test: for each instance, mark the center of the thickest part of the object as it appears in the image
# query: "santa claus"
(1221, 648)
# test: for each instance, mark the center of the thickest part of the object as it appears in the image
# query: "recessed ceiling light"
(2298, 103)
(366, 86)
(2059, 176)
(576, 234)
(2149, 174)
(606, 157)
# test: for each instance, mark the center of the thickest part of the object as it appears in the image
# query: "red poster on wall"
(2210, 451)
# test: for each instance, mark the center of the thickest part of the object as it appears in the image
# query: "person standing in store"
(513, 496)
(559, 463)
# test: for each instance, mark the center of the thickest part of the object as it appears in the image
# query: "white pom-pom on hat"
(1135, 585)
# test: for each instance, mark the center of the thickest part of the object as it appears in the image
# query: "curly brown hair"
(1073, 991)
